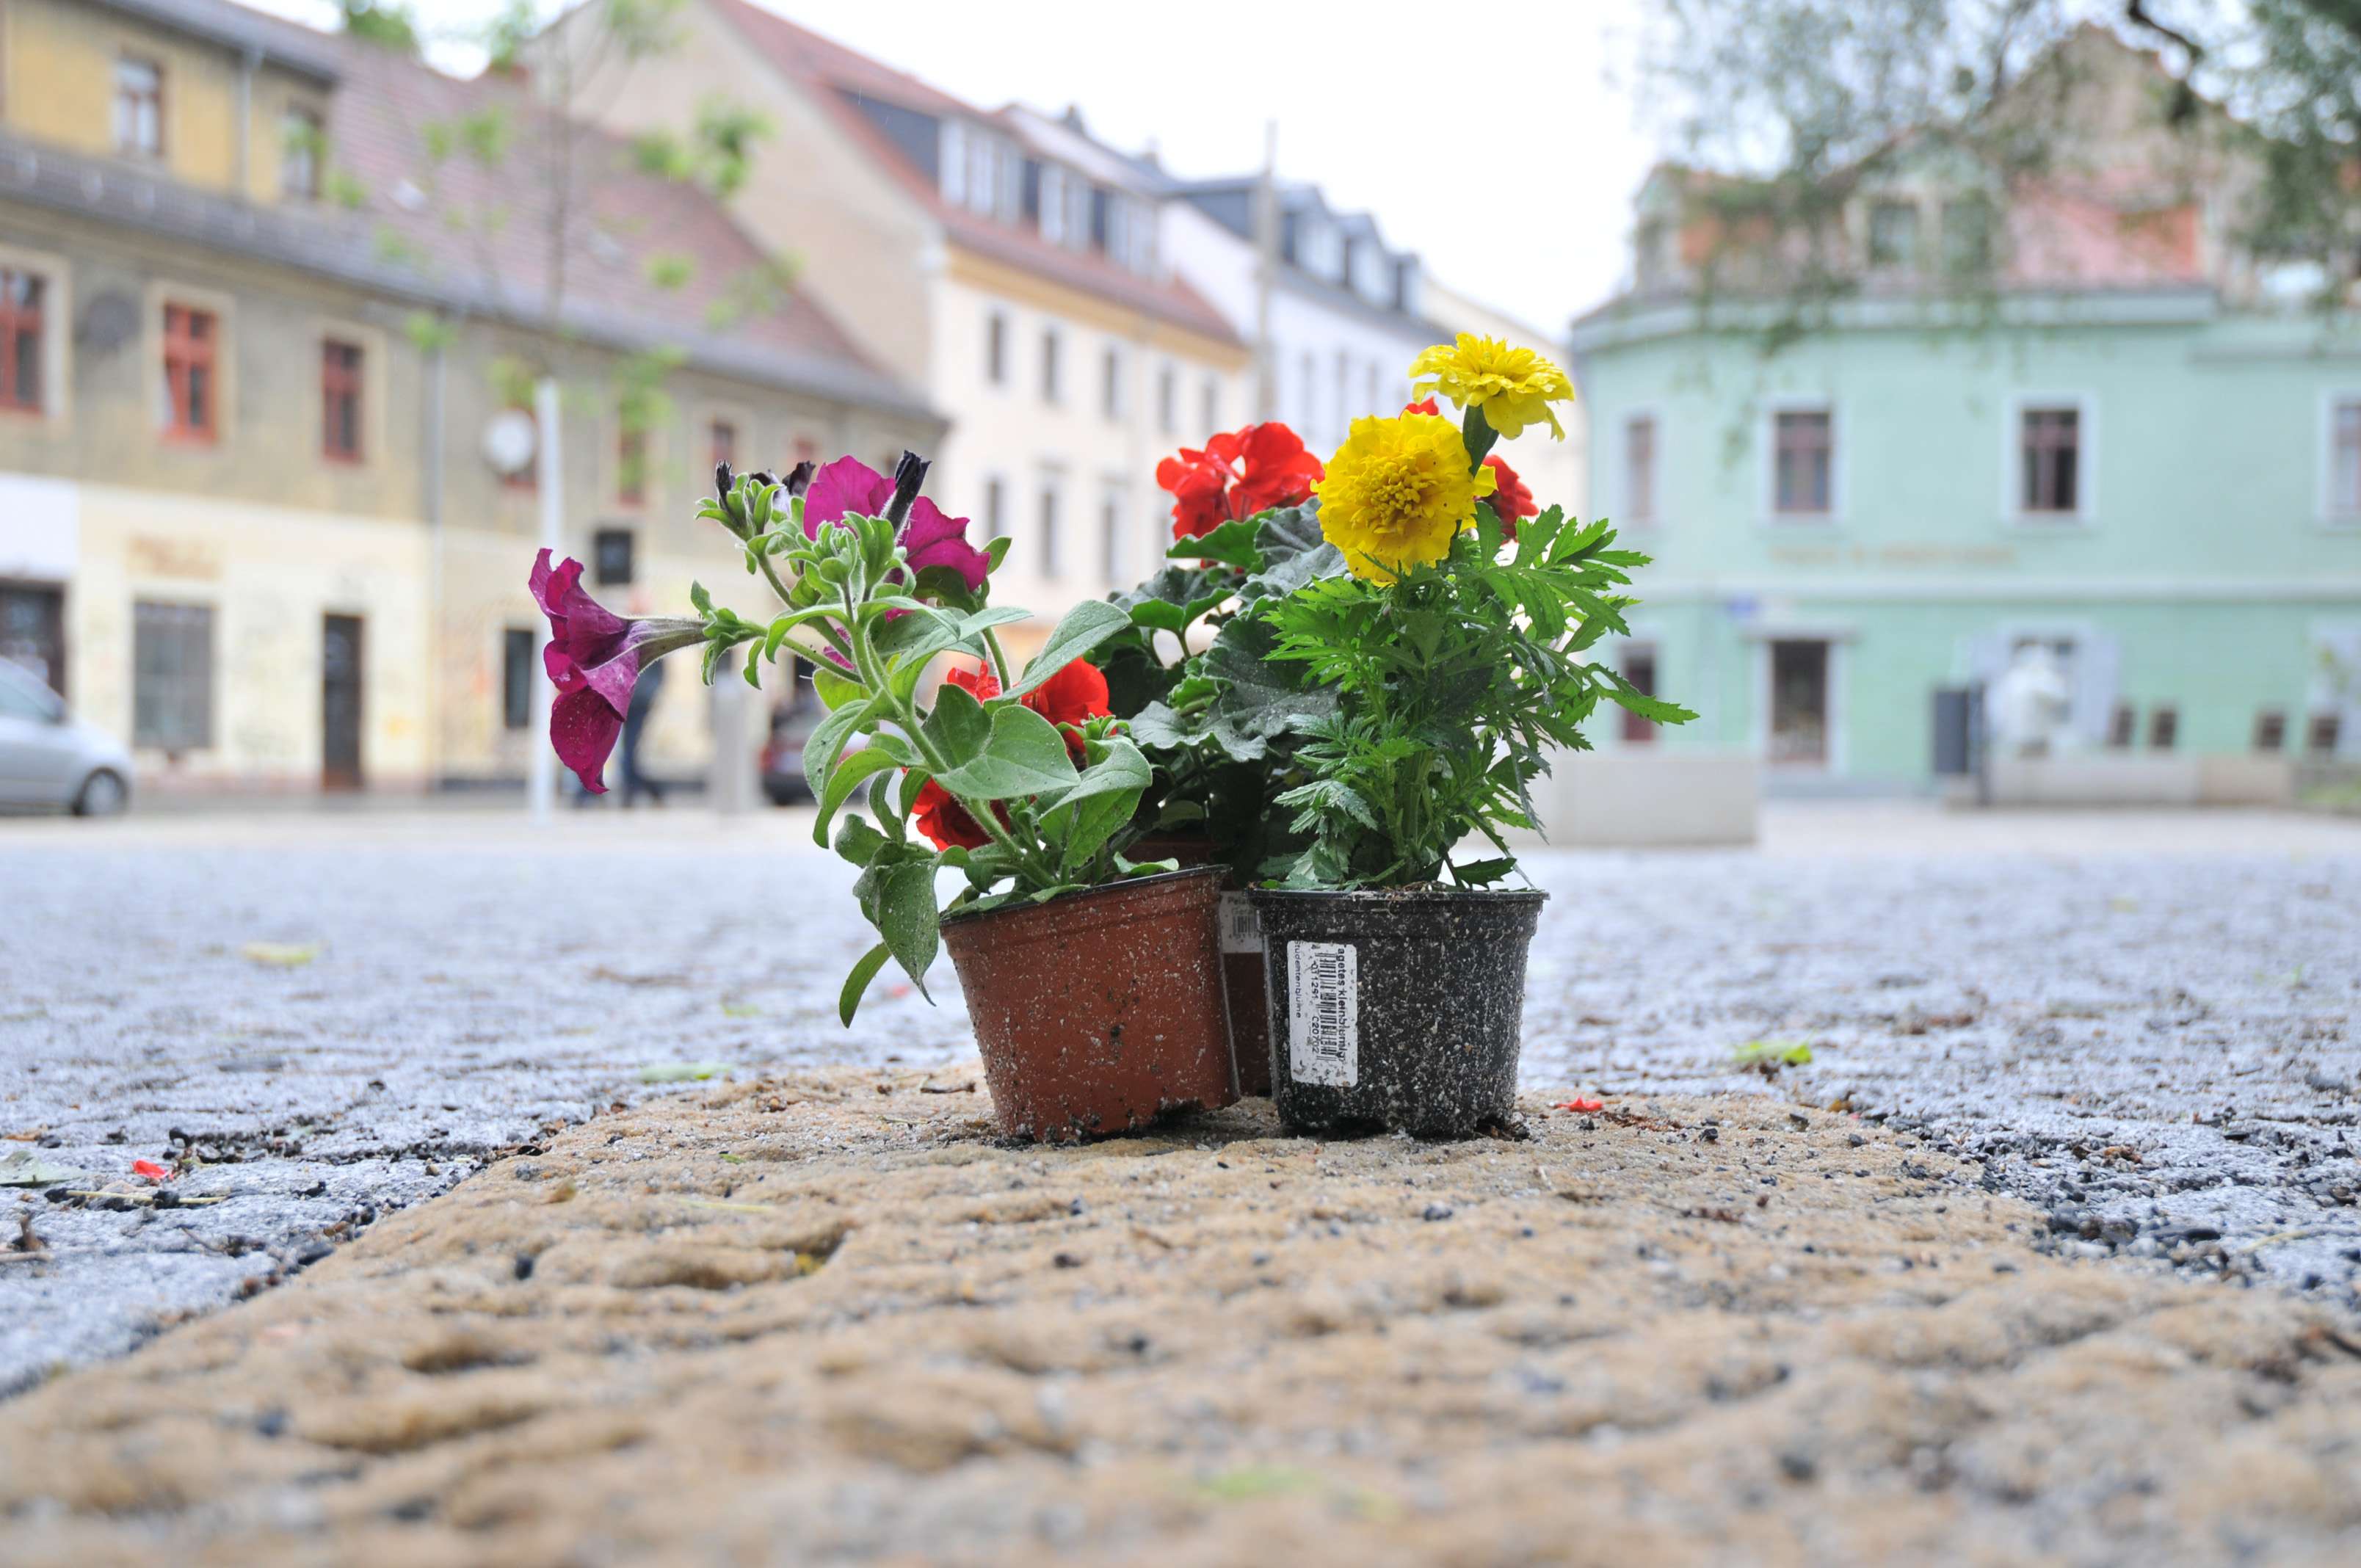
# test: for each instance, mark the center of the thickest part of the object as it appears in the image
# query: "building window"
(2121, 725)
(172, 675)
(140, 106)
(993, 525)
(1213, 410)
(1802, 461)
(1111, 383)
(1894, 234)
(1640, 468)
(516, 677)
(302, 139)
(721, 441)
(1111, 563)
(191, 387)
(996, 348)
(1049, 365)
(2270, 731)
(2321, 736)
(2345, 459)
(2163, 727)
(340, 400)
(1168, 399)
(2050, 443)
(631, 462)
(610, 555)
(21, 294)
(1640, 669)
(1967, 236)
(1308, 376)
(1049, 563)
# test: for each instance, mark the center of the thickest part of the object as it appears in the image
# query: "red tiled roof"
(490, 222)
(832, 70)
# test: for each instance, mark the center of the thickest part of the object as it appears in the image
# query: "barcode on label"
(1323, 1012)
(1241, 928)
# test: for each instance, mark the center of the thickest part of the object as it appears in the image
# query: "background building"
(2117, 446)
(1010, 268)
(263, 294)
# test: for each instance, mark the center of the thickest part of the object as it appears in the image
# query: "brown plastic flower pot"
(1242, 975)
(1102, 1011)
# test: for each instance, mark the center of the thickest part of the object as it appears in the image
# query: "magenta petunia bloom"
(594, 658)
(850, 487)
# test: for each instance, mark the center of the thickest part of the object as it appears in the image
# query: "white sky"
(1500, 143)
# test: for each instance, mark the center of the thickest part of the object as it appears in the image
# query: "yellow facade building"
(264, 295)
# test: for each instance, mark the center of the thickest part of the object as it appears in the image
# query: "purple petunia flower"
(594, 658)
(850, 487)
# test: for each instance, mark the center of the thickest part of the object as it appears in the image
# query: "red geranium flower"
(1423, 406)
(946, 823)
(1237, 474)
(1510, 498)
(1072, 696)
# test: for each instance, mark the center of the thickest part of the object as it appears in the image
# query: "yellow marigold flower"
(1398, 491)
(1514, 387)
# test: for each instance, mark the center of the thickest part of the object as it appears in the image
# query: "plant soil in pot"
(1242, 955)
(1098, 1012)
(1398, 1010)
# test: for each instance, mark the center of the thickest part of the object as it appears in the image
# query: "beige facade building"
(256, 318)
(1005, 266)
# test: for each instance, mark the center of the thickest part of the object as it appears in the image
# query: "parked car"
(48, 758)
(792, 723)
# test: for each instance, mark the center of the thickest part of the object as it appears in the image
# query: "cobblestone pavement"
(2144, 1023)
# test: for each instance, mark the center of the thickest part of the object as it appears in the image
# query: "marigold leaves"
(1322, 796)
(1081, 629)
(1024, 754)
(1483, 874)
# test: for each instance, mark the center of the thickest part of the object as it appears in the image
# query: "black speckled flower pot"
(1399, 1011)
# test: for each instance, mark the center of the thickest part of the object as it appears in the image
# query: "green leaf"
(1024, 754)
(1232, 543)
(1101, 801)
(959, 727)
(848, 1001)
(700, 600)
(908, 918)
(1482, 873)
(833, 689)
(829, 737)
(1081, 629)
(859, 842)
(867, 763)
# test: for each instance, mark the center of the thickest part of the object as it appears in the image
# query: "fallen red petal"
(150, 1170)
(1582, 1105)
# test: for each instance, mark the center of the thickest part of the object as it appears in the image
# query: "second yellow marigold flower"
(1397, 492)
(1514, 387)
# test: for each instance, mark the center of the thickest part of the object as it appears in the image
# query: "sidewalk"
(824, 1316)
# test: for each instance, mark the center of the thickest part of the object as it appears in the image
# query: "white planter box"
(1640, 798)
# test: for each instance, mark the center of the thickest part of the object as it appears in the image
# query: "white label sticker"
(1323, 1012)
(1241, 928)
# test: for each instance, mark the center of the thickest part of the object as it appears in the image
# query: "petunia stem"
(999, 658)
(905, 714)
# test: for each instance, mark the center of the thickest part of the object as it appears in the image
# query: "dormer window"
(302, 138)
(979, 171)
(1064, 202)
(1319, 248)
(1369, 272)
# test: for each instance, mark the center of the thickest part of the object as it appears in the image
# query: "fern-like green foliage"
(1454, 685)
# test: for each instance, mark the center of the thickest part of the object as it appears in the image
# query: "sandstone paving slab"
(825, 1316)
(2147, 1025)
